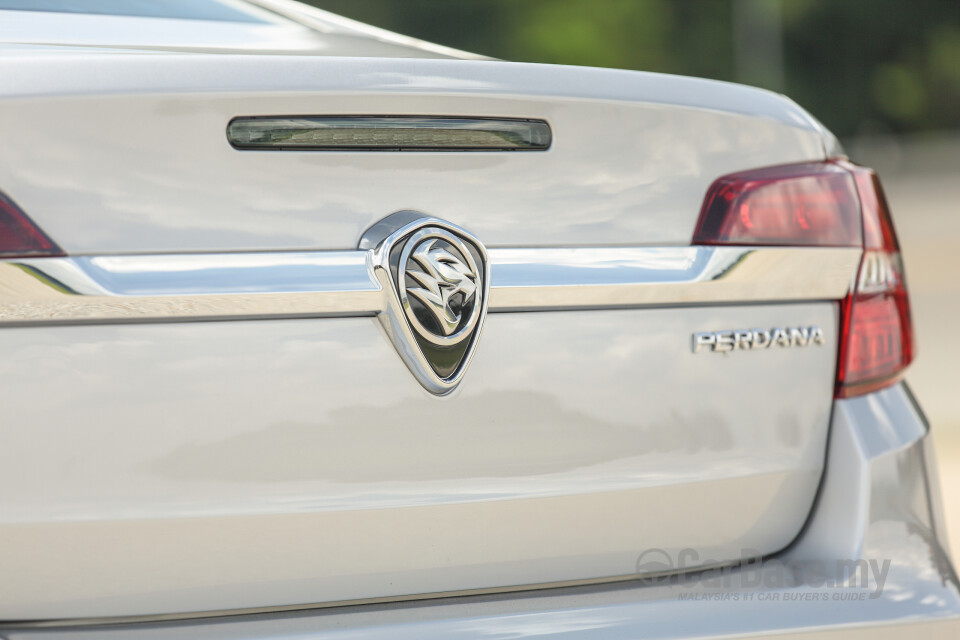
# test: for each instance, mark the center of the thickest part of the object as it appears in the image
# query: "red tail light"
(801, 204)
(876, 333)
(828, 204)
(19, 237)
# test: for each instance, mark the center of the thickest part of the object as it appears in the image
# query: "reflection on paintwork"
(263, 32)
(918, 584)
(642, 181)
(298, 455)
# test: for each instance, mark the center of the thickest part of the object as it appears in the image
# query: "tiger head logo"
(448, 285)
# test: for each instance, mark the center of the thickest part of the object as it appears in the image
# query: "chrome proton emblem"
(446, 281)
(436, 279)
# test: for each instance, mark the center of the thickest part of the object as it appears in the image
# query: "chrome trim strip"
(525, 279)
(341, 283)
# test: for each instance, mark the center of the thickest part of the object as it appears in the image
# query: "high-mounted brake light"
(826, 204)
(20, 237)
(388, 133)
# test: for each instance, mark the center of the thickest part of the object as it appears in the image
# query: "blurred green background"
(883, 75)
(860, 66)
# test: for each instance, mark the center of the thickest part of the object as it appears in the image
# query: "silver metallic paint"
(330, 493)
(632, 157)
(872, 505)
(280, 31)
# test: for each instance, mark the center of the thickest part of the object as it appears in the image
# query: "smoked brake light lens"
(388, 133)
(20, 237)
(827, 204)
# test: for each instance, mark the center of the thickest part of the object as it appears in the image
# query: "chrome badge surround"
(436, 277)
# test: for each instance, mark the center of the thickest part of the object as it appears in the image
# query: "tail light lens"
(19, 237)
(876, 332)
(803, 204)
(827, 204)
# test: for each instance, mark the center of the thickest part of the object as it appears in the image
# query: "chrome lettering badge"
(436, 278)
(751, 339)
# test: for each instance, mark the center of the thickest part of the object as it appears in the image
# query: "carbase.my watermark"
(753, 579)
